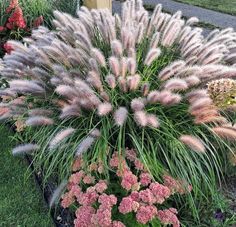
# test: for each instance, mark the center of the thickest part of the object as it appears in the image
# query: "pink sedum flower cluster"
(168, 216)
(144, 194)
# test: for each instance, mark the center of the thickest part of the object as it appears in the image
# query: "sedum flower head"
(223, 92)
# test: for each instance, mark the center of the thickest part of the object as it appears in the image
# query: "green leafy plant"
(100, 83)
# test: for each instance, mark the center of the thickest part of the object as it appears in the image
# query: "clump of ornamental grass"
(100, 83)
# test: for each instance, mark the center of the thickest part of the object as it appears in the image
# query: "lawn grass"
(224, 6)
(21, 202)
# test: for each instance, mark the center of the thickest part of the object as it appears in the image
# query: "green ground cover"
(21, 203)
(225, 6)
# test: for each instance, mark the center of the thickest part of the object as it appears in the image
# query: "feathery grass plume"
(26, 86)
(153, 97)
(192, 50)
(133, 82)
(132, 66)
(152, 121)
(214, 59)
(4, 110)
(85, 41)
(132, 53)
(131, 41)
(110, 28)
(170, 70)
(120, 116)
(93, 65)
(156, 13)
(39, 112)
(123, 66)
(104, 109)
(16, 64)
(210, 119)
(208, 51)
(18, 45)
(8, 92)
(139, 33)
(140, 118)
(25, 149)
(191, 60)
(201, 102)
(117, 21)
(60, 136)
(116, 47)
(111, 81)
(192, 81)
(152, 55)
(145, 89)
(168, 98)
(191, 21)
(122, 84)
(70, 111)
(85, 145)
(125, 37)
(57, 194)
(175, 84)
(204, 110)
(67, 91)
(193, 142)
(228, 133)
(171, 33)
(161, 21)
(137, 104)
(155, 40)
(114, 65)
(105, 96)
(196, 94)
(39, 121)
(212, 34)
(5, 116)
(232, 57)
(98, 55)
(94, 79)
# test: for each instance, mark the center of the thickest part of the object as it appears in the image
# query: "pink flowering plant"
(14, 24)
(129, 197)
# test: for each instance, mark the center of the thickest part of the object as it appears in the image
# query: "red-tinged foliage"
(15, 26)
(2, 28)
(13, 5)
(8, 48)
(16, 20)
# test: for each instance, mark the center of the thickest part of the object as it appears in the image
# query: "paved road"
(209, 16)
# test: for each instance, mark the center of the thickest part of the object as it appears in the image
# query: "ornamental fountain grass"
(100, 83)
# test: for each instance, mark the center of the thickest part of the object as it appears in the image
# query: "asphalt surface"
(217, 19)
